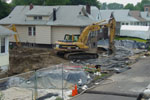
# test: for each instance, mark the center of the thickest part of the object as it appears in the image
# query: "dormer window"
(37, 17)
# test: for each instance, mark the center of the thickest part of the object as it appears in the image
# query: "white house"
(44, 25)
(4, 48)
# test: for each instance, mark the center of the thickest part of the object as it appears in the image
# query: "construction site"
(74, 52)
(39, 73)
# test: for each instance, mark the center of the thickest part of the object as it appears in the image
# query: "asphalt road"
(132, 81)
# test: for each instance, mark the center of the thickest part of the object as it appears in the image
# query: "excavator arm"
(84, 35)
(13, 28)
(97, 26)
(112, 30)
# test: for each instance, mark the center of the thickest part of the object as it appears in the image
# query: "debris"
(97, 74)
(49, 95)
(84, 87)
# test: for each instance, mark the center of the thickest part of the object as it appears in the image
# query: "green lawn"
(131, 38)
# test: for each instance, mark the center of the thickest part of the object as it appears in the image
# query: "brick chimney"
(31, 6)
(54, 14)
(88, 8)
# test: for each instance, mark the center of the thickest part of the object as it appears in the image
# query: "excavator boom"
(13, 28)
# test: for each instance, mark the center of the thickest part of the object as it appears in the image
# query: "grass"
(58, 98)
(131, 38)
(98, 77)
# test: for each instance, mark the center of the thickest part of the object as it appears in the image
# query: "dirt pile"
(27, 59)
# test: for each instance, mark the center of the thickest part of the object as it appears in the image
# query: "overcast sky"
(121, 1)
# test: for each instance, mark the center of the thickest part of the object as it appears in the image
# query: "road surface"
(132, 81)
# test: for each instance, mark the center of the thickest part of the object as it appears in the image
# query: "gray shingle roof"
(120, 15)
(70, 15)
(41, 10)
(145, 15)
(137, 15)
(95, 12)
(5, 31)
(18, 16)
(66, 15)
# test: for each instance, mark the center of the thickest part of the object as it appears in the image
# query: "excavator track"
(80, 55)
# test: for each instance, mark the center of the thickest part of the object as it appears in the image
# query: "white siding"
(43, 34)
(22, 32)
(4, 57)
(58, 32)
(45, 18)
(30, 18)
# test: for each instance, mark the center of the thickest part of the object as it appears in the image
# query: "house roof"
(120, 15)
(66, 15)
(146, 5)
(41, 10)
(5, 31)
(72, 16)
(145, 15)
(95, 13)
(137, 15)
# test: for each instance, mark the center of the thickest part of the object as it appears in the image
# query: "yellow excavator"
(76, 46)
(13, 28)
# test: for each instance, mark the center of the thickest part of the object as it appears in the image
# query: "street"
(132, 81)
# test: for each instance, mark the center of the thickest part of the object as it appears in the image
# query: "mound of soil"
(27, 59)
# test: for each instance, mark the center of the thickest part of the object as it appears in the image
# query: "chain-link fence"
(44, 84)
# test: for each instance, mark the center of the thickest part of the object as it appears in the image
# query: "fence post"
(62, 83)
(35, 86)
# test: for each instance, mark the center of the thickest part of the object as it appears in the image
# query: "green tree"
(115, 6)
(104, 6)
(84, 2)
(129, 6)
(27, 2)
(139, 6)
(4, 9)
(56, 2)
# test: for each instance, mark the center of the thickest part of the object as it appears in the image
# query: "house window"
(146, 9)
(122, 23)
(3, 45)
(31, 31)
(37, 17)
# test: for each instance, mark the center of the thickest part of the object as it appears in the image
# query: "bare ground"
(27, 59)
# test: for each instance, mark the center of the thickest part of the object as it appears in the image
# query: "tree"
(139, 6)
(129, 6)
(115, 6)
(4, 9)
(56, 2)
(84, 2)
(104, 6)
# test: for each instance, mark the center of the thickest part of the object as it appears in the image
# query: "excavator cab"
(71, 38)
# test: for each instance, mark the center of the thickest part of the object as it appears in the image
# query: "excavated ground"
(27, 59)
